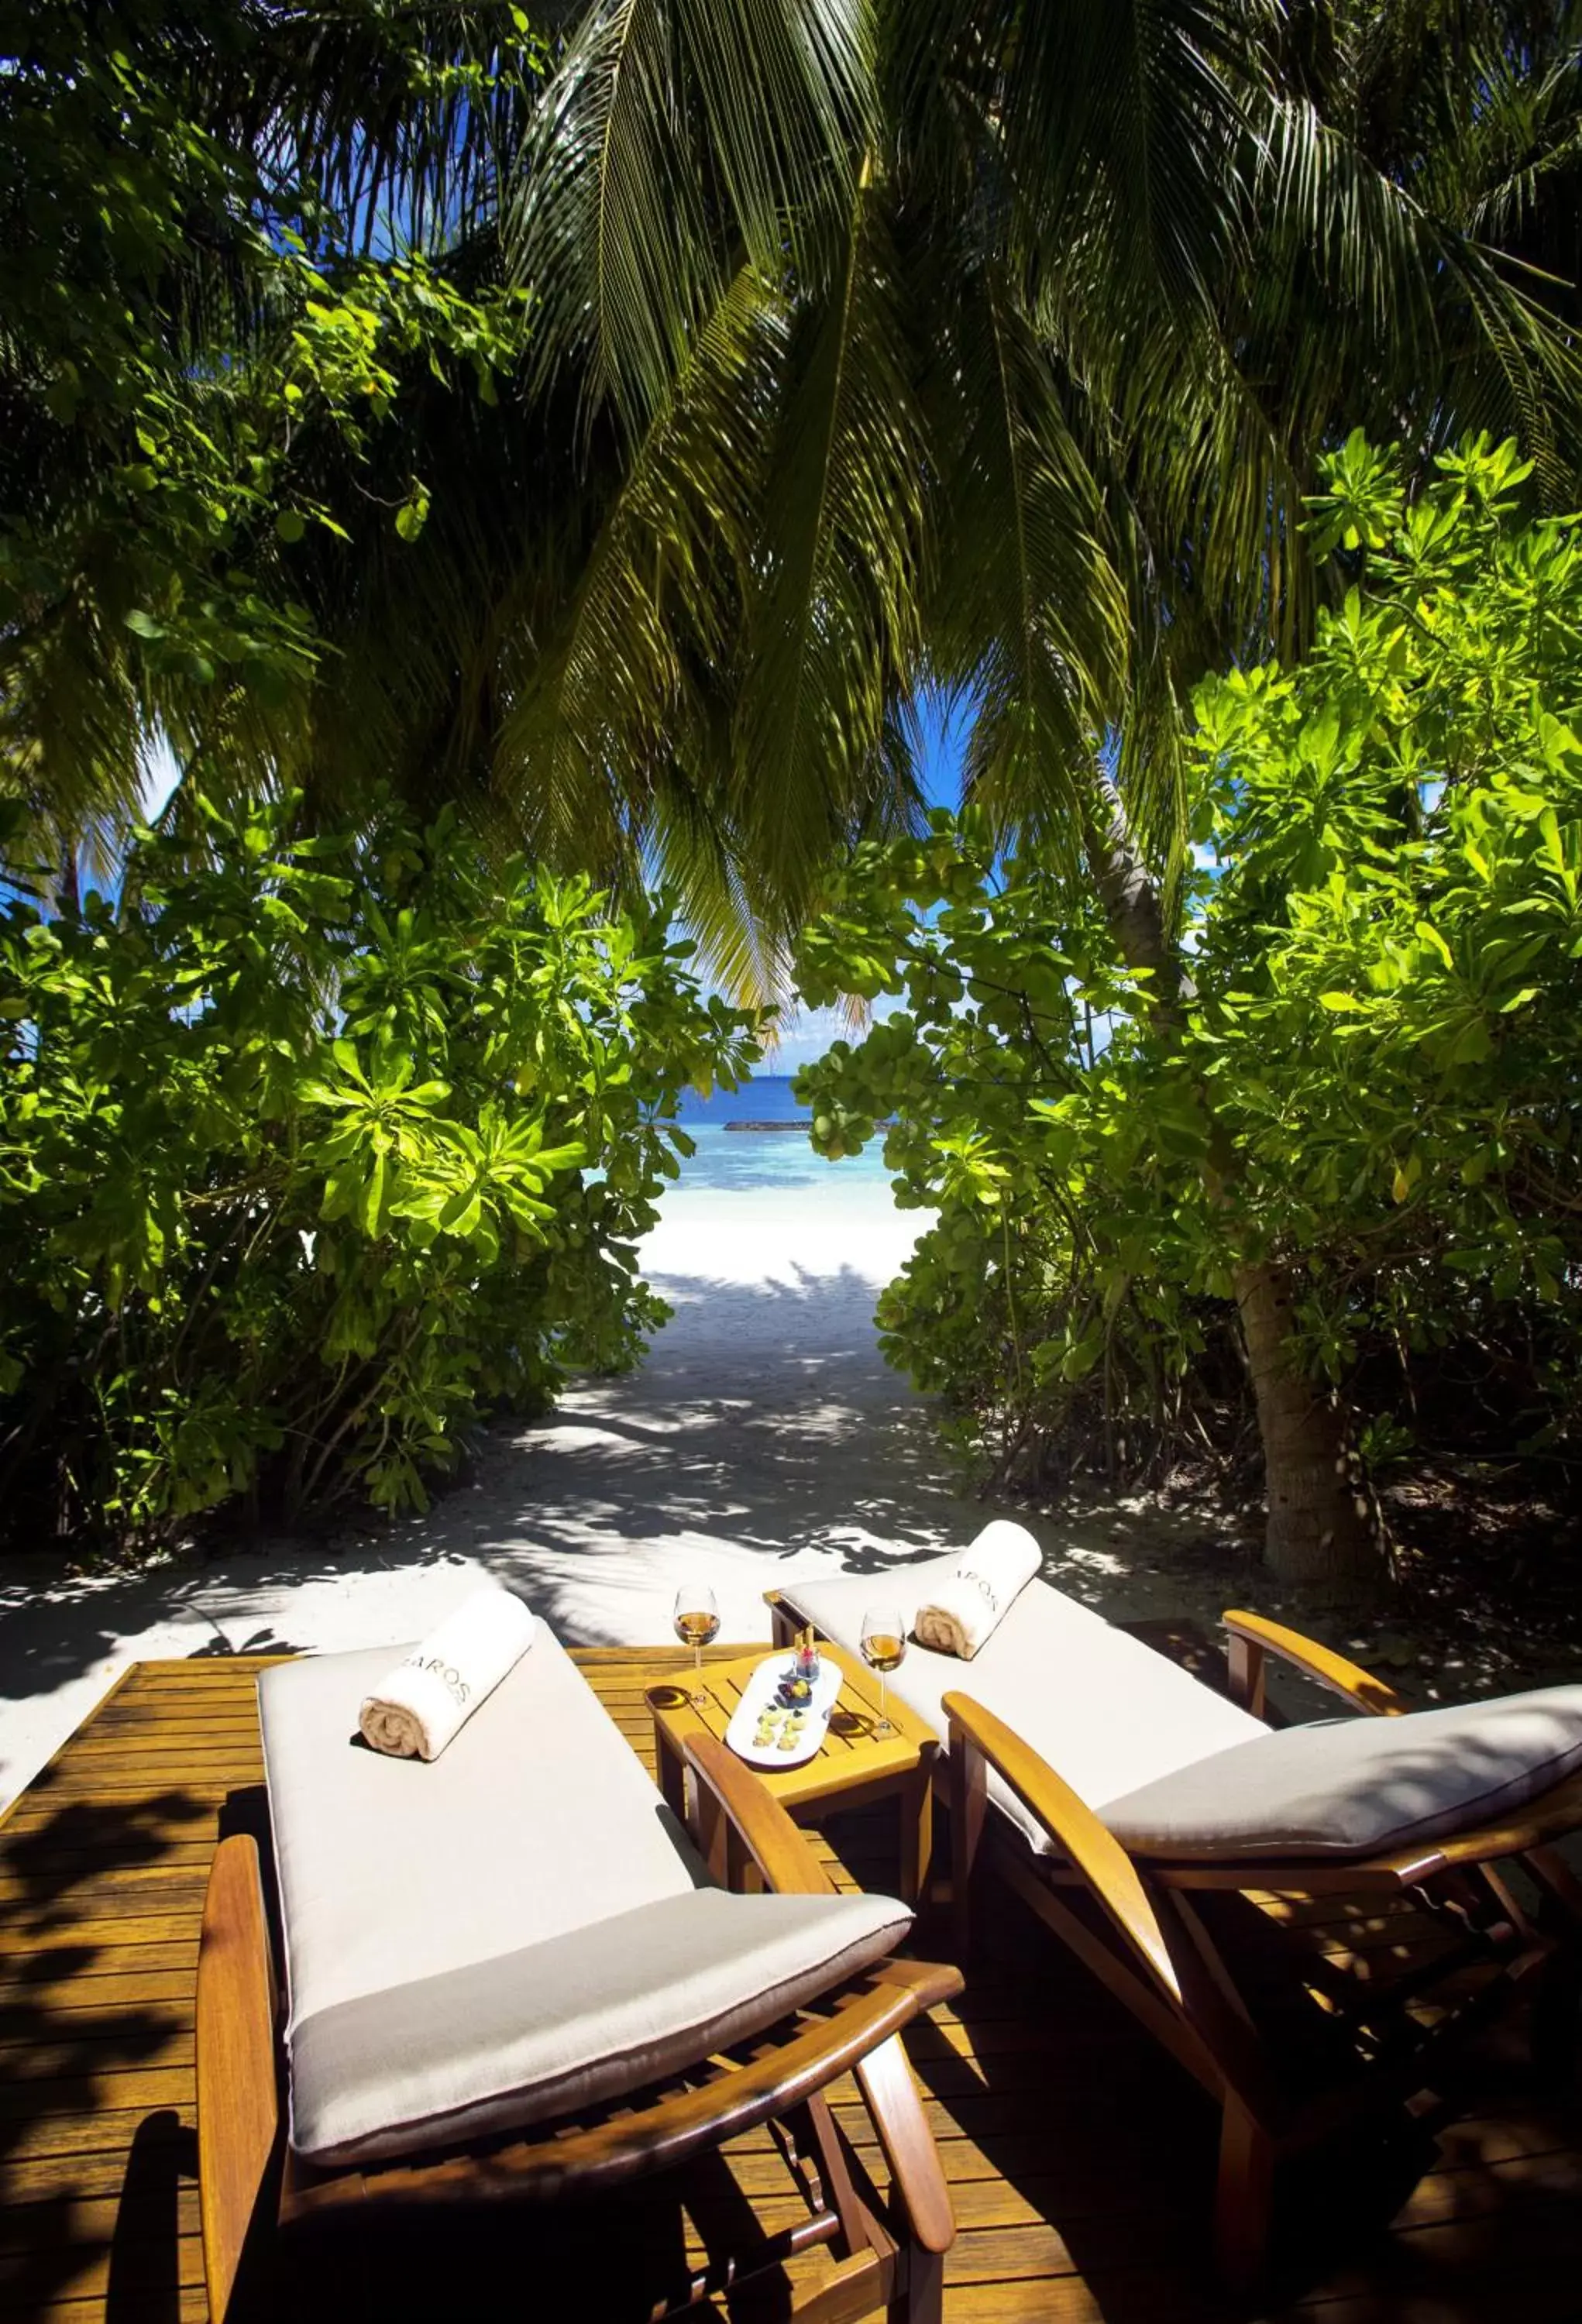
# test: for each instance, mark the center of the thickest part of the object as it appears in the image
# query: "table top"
(850, 1755)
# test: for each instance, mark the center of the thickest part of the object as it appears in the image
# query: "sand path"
(763, 1436)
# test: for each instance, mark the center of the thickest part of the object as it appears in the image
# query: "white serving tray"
(761, 1689)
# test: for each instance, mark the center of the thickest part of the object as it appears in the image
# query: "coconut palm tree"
(970, 342)
(973, 343)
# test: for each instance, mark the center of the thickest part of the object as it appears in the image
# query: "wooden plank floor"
(1081, 2161)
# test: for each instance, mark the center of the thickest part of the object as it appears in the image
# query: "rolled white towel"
(963, 1610)
(430, 1697)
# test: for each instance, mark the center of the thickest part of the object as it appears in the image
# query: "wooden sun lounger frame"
(1153, 1950)
(1151, 1947)
(255, 2194)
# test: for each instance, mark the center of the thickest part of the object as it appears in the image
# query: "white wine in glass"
(697, 1619)
(884, 1643)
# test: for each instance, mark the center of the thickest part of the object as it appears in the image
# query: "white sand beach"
(763, 1436)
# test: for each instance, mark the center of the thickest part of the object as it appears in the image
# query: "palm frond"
(676, 136)
(832, 631)
(602, 702)
(1126, 114)
(1029, 614)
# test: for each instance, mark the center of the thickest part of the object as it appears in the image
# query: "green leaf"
(413, 514)
(1406, 1177)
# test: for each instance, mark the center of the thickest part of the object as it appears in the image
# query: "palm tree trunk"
(1133, 904)
(1319, 1531)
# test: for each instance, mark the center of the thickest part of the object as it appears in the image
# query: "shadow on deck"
(1081, 2161)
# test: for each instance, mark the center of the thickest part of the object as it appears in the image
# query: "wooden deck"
(1078, 2158)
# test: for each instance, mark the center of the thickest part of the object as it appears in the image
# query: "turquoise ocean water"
(740, 1161)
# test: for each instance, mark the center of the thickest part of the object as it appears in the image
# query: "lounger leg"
(1248, 1674)
(921, 2196)
(1243, 2204)
(1556, 2021)
(1555, 2029)
(969, 1793)
(923, 2299)
(907, 2272)
(1560, 1885)
(916, 1804)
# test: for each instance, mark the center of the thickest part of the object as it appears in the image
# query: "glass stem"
(883, 1701)
(698, 1670)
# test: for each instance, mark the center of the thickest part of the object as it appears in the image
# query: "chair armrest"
(1071, 1823)
(240, 2125)
(1253, 1639)
(740, 1818)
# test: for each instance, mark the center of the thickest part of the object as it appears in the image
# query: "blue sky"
(161, 774)
(942, 743)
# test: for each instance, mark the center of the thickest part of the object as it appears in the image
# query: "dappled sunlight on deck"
(1081, 2161)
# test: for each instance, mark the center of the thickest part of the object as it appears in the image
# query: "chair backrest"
(537, 1820)
(1105, 1710)
(518, 1929)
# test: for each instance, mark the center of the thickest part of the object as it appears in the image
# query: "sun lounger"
(1140, 1815)
(1052, 1670)
(514, 1979)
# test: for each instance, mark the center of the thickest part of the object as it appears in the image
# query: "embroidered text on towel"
(447, 1674)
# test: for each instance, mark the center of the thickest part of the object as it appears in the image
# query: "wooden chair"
(1168, 1937)
(264, 2210)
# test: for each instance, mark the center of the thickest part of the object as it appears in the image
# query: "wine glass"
(884, 1643)
(697, 1619)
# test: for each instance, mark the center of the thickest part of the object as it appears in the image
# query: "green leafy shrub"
(1371, 1078)
(199, 358)
(313, 1149)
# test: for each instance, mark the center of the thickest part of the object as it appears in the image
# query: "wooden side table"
(851, 1768)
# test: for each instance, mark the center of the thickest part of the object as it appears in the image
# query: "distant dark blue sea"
(738, 1160)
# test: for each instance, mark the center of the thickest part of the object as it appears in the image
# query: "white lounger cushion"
(1362, 1786)
(396, 1870)
(570, 2024)
(1107, 1712)
(409, 1888)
